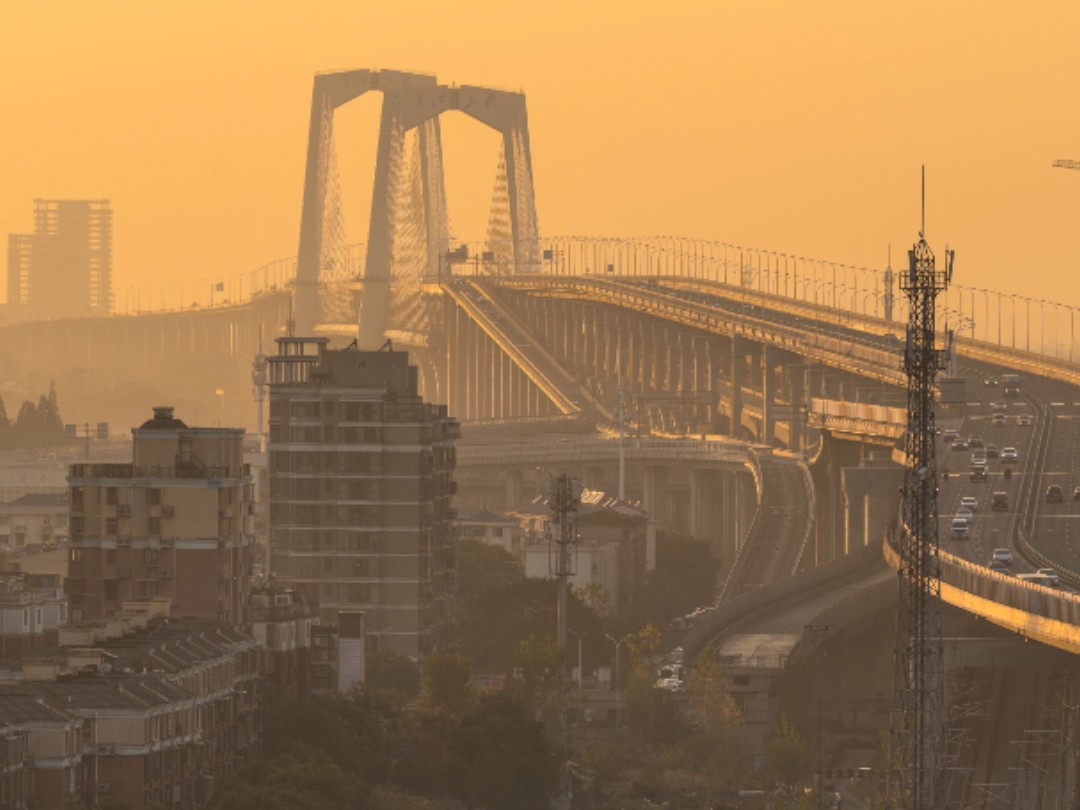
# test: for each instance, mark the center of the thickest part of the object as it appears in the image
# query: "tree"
(5, 422)
(392, 672)
(684, 578)
(501, 759)
(482, 567)
(448, 684)
(787, 758)
(27, 418)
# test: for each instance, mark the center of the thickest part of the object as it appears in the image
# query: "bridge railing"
(1032, 326)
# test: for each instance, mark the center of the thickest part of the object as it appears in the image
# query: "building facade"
(64, 268)
(174, 523)
(34, 520)
(361, 480)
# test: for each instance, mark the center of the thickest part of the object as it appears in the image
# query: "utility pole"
(563, 503)
(916, 747)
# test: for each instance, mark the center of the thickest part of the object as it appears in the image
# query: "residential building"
(175, 523)
(282, 624)
(64, 268)
(361, 479)
(489, 527)
(34, 520)
(615, 549)
(32, 609)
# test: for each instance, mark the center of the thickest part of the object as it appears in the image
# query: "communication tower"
(918, 719)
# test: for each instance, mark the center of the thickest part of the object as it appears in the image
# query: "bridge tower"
(411, 101)
(918, 720)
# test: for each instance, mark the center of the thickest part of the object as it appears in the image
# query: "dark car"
(1054, 494)
(975, 441)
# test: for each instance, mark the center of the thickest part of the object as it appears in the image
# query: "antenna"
(922, 224)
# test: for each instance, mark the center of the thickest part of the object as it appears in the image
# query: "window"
(112, 526)
(111, 495)
(153, 497)
(155, 526)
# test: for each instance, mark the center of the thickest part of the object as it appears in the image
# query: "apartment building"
(361, 480)
(32, 608)
(174, 523)
(141, 712)
(64, 268)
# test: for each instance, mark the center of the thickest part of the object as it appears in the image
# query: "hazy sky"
(793, 126)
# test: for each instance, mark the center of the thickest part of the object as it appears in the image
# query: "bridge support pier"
(738, 374)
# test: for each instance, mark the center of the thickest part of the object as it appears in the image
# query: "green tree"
(27, 419)
(392, 672)
(448, 684)
(684, 578)
(501, 759)
(482, 567)
(787, 758)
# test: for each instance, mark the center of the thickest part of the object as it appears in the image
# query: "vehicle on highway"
(977, 473)
(1003, 555)
(970, 502)
(999, 406)
(1076, 494)
(1051, 574)
(1012, 384)
(992, 451)
(1024, 420)
(965, 515)
(998, 419)
(989, 381)
(959, 529)
(949, 435)
(999, 502)
(978, 459)
(1054, 494)
(959, 444)
(1009, 455)
(975, 441)
(998, 565)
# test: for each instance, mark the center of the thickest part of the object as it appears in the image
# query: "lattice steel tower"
(916, 766)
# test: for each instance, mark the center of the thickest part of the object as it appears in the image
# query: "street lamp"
(618, 695)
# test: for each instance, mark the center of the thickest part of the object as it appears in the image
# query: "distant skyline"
(792, 127)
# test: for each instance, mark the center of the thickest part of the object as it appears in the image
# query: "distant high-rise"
(64, 268)
(361, 477)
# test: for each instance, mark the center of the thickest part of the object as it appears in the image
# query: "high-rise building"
(174, 523)
(361, 478)
(64, 268)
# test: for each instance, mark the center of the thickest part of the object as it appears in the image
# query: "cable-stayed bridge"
(761, 392)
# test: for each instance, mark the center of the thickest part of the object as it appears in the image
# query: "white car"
(1024, 420)
(1051, 576)
(970, 502)
(1003, 556)
(963, 513)
(1009, 455)
(999, 406)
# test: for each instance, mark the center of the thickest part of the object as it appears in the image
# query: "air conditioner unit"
(124, 510)
(167, 510)
(166, 573)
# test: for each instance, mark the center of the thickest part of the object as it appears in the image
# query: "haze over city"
(791, 127)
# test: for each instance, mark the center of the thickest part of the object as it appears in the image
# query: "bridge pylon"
(411, 101)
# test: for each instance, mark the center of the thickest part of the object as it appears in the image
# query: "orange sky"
(793, 126)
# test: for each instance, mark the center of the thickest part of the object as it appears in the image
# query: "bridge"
(755, 398)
